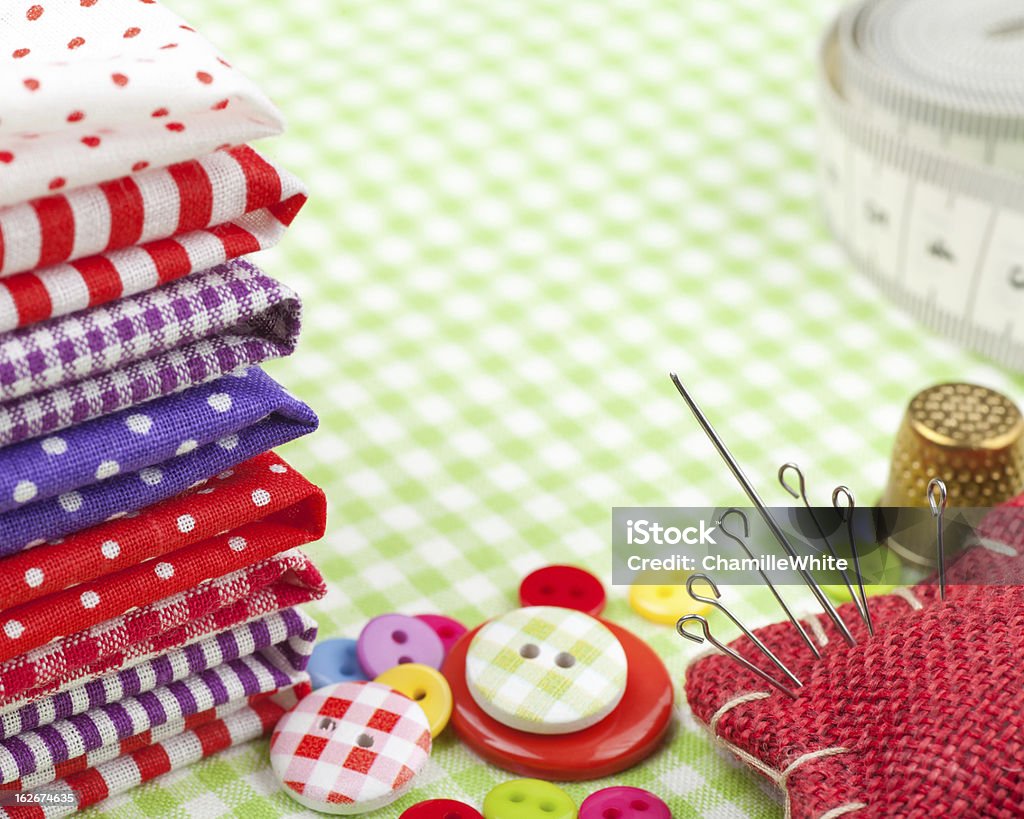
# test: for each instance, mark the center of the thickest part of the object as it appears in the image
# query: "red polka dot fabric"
(96, 91)
(247, 514)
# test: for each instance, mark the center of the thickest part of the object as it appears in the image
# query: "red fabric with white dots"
(255, 511)
(922, 719)
(94, 91)
(285, 580)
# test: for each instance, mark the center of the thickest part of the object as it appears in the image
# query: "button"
(447, 628)
(334, 661)
(350, 748)
(621, 802)
(546, 670)
(393, 639)
(528, 799)
(666, 603)
(566, 586)
(425, 686)
(627, 736)
(441, 809)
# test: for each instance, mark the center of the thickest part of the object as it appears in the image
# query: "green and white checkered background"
(523, 214)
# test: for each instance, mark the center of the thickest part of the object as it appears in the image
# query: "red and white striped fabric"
(205, 735)
(66, 252)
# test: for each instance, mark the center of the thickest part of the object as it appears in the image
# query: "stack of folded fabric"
(147, 532)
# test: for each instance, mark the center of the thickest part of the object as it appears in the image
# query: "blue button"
(334, 661)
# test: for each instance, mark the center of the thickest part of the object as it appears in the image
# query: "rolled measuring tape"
(922, 160)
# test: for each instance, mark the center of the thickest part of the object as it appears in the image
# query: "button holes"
(547, 807)
(403, 660)
(364, 741)
(638, 804)
(419, 694)
(399, 636)
(547, 590)
(664, 591)
(576, 592)
(611, 813)
(516, 797)
(327, 724)
(565, 660)
(347, 669)
(528, 651)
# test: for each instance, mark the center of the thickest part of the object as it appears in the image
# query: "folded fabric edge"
(285, 638)
(125, 541)
(228, 404)
(89, 787)
(286, 580)
(101, 730)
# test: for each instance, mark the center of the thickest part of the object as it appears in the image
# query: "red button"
(626, 736)
(567, 586)
(441, 809)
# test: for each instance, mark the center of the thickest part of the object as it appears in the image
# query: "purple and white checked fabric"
(271, 333)
(284, 638)
(235, 296)
(65, 739)
(121, 463)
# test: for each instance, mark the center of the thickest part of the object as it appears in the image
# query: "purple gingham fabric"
(284, 638)
(68, 370)
(121, 463)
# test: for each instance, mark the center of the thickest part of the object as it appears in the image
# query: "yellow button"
(425, 686)
(666, 604)
(528, 799)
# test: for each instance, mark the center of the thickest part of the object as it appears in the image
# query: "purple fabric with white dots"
(70, 369)
(123, 462)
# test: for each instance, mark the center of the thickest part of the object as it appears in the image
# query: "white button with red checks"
(350, 748)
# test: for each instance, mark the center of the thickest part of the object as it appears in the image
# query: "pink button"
(447, 628)
(441, 809)
(621, 802)
(394, 639)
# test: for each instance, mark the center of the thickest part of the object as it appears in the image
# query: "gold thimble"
(970, 436)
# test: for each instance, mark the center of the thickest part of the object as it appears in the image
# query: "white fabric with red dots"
(97, 89)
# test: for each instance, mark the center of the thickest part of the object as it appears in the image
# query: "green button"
(528, 799)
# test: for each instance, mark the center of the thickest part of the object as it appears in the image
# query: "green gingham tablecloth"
(523, 214)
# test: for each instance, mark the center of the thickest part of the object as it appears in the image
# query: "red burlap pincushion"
(924, 719)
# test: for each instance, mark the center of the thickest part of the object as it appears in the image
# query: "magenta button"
(394, 639)
(446, 628)
(621, 802)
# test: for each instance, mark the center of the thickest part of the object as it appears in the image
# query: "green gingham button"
(546, 670)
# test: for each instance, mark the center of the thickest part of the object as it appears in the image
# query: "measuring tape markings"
(915, 205)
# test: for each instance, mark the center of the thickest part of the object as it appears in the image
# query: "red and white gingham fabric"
(317, 752)
(106, 241)
(286, 580)
(97, 90)
(298, 517)
(205, 735)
